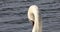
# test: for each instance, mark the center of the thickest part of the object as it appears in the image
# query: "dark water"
(13, 15)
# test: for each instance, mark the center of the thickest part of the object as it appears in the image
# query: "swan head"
(31, 11)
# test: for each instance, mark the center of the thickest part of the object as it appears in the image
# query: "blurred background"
(13, 15)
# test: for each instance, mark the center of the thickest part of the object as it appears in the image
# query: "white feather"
(34, 15)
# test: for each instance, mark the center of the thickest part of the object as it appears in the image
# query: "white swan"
(35, 17)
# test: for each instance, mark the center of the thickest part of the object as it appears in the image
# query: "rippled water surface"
(13, 15)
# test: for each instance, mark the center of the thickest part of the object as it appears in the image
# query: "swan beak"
(32, 22)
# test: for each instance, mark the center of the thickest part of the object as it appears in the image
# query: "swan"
(35, 17)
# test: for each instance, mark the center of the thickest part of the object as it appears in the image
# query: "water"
(13, 15)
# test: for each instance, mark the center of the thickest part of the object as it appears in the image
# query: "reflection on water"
(13, 15)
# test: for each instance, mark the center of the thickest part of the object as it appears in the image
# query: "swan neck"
(37, 23)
